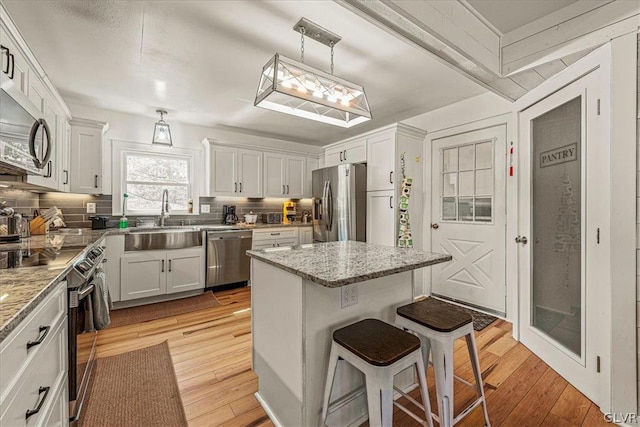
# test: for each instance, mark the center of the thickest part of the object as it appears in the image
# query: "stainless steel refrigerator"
(339, 203)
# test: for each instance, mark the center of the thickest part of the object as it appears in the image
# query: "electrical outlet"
(91, 208)
(349, 295)
(205, 208)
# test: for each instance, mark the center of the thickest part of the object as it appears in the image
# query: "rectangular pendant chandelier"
(295, 88)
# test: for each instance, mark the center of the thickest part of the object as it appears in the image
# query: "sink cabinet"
(150, 273)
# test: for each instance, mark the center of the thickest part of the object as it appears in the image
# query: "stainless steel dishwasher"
(227, 260)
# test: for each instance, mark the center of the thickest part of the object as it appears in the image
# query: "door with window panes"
(468, 217)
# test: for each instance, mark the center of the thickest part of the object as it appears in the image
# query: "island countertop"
(336, 264)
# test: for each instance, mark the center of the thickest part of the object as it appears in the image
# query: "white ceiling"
(201, 60)
(507, 15)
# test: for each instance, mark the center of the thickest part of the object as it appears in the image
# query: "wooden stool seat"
(380, 351)
(438, 326)
(376, 342)
(434, 314)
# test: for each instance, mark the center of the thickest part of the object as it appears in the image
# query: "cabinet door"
(333, 156)
(295, 167)
(312, 164)
(21, 68)
(380, 162)
(37, 92)
(381, 222)
(355, 152)
(86, 160)
(64, 145)
(185, 270)
(113, 252)
(224, 173)
(249, 173)
(143, 274)
(306, 235)
(274, 175)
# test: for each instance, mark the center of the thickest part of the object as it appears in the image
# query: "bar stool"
(380, 351)
(438, 327)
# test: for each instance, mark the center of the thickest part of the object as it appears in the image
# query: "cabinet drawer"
(58, 413)
(275, 233)
(14, 355)
(48, 369)
(286, 242)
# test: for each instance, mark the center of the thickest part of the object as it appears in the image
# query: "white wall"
(470, 110)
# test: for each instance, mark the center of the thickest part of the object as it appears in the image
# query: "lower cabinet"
(150, 273)
(381, 222)
(274, 237)
(306, 235)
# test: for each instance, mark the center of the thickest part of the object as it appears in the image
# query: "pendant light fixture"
(296, 88)
(161, 131)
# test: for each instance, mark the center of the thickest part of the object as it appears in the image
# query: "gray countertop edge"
(350, 280)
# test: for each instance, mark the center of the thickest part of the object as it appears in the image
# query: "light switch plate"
(205, 208)
(91, 208)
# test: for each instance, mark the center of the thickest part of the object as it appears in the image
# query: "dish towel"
(101, 300)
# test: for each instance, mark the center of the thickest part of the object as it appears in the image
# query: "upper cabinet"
(14, 62)
(86, 156)
(234, 171)
(354, 151)
(313, 163)
(284, 175)
(381, 156)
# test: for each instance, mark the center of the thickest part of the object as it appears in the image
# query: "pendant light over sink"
(161, 131)
(293, 87)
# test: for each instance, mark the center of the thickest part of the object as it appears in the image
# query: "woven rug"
(137, 388)
(480, 320)
(145, 313)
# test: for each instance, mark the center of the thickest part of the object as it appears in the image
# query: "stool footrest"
(411, 414)
(346, 399)
(468, 409)
(409, 398)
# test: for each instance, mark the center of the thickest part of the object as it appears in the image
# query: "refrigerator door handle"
(325, 212)
(330, 207)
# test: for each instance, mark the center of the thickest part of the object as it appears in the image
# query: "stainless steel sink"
(148, 240)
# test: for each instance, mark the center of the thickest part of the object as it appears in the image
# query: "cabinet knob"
(435, 226)
(522, 239)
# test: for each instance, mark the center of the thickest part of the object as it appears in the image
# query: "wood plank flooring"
(211, 352)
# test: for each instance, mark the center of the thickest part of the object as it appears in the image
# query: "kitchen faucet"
(164, 208)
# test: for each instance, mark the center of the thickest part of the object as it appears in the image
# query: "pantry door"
(564, 189)
(468, 217)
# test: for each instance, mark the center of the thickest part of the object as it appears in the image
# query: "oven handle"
(85, 291)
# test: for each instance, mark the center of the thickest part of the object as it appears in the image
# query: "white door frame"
(511, 195)
(618, 66)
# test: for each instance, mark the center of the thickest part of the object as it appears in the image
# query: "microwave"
(25, 137)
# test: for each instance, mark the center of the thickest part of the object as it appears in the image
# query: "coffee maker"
(229, 216)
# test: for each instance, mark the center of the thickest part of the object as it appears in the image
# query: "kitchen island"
(300, 295)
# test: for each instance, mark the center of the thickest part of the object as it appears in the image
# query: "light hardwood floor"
(211, 351)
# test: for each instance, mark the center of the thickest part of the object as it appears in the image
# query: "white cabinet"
(274, 237)
(381, 155)
(15, 63)
(306, 235)
(354, 151)
(150, 273)
(381, 224)
(312, 164)
(234, 171)
(37, 92)
(64, 150)
(142, 274)
(86, 156)
(114, 250)
(185, 270)
(284, 175)
(27, 369)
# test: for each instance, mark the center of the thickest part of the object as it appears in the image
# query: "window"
(146, 175)
(467, 182)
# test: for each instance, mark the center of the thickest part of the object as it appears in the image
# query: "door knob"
(435, 226)
(522, 239)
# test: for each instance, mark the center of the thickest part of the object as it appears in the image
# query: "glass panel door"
(557, 283)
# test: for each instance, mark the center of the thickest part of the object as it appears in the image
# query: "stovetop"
(19, 258)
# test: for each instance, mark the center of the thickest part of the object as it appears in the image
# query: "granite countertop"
(22, 289)
(336, 264)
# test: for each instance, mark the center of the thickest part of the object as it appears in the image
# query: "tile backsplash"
(74, 207)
